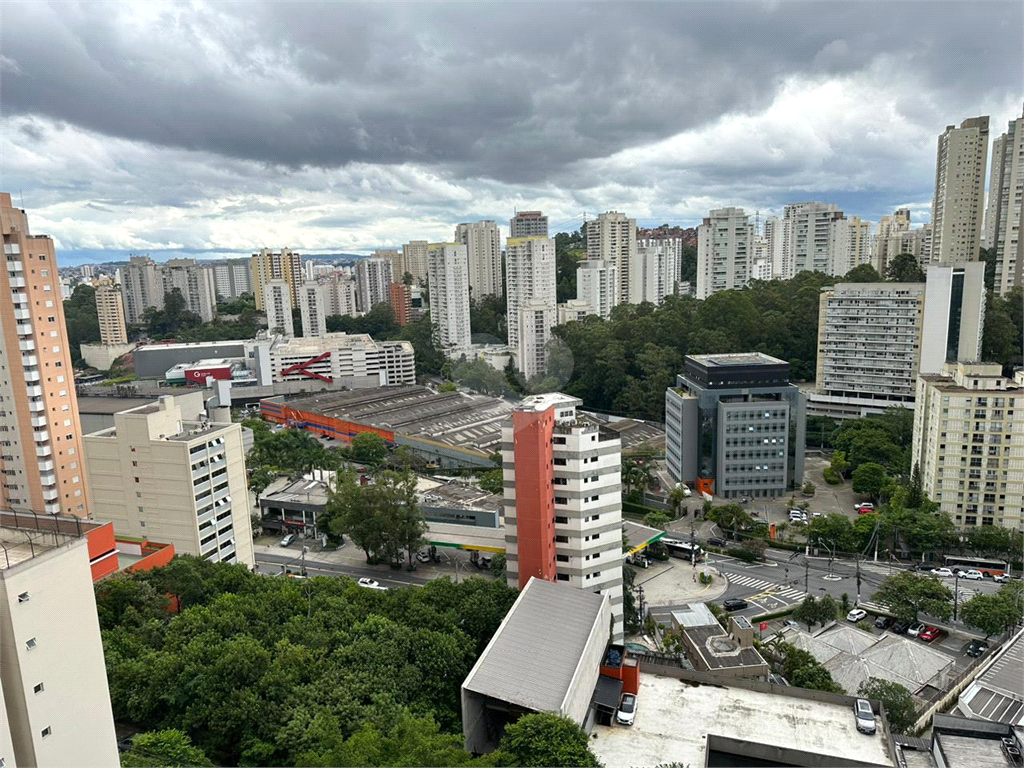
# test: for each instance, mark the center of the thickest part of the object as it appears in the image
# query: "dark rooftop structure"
(961, 741)
(729, 371)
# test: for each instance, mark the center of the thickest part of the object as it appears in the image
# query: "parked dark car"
(976, 648)
(716, 542)
(925, 567)
(735, 604)
(883, 622)
(900, 627)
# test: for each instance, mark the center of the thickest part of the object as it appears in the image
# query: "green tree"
(904, 268)
(81, 321)
(369, 448)
(895, 698)
(991, 614)
(259, 479)
(816, 678)
(870, 479)
(545, 739)
(125, 599)
(159, 749)
(828, 609)
(731, 517)
(839, 463)
(493, 481)
(382, 518)
(756, 547)
(862, 273)
(907, 594)
(657, 519)
(807, 612)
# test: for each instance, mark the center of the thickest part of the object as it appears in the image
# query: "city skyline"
(353, 149)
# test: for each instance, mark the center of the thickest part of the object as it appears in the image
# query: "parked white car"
(972, 575)
(1001, 578)
(287, 539)
(627, 709)
(856, 615)
(942, 573)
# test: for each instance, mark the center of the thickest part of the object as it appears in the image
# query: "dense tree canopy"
(904, 268)
(899, 704)
(287, 450)
(82, 321)
(908, 594)
(996, 613)
(261, 670)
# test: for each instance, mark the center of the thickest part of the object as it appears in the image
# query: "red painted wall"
(199, 375)
(535, 500)
(101, 544)
(155, 556)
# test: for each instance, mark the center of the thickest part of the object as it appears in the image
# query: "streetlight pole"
(956, 593)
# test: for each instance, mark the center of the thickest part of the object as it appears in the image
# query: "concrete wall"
(74, 702)
(581, 689)
(102, 356)
(153, 361)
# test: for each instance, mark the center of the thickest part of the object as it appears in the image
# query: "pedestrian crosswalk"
(773, 588)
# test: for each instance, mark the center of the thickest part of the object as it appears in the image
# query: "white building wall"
(448, 278)
(373, 276)
(340, 296)
(536, 319)
(277, 301)
(611, 238)
(939, 309)
(311, 305)
(597, 286)
(530, 263)
(1006, 205)
(958, 203)
(724, 249)
(55, 694)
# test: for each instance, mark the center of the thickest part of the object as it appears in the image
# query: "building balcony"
(25, 329)
(50, 494)
(46, 466)
(33, 376)
(53, 508)
(16, 282)
(12, 249)
(38, 421)
(41, 436)
(30, 361)
(22, 314)
(49, 479)
(43, 450)
(27, 345)
(37, 407)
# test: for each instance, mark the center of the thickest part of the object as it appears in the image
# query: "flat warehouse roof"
(675, 720)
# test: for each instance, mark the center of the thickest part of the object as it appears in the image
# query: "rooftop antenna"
(22, 196)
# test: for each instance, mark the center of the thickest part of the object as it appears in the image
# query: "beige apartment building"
(611, 238)
(40, 435)
(415, 259)
(164, 471)
(54, 700)
(110, 310)
(483, 249)
(968, 444)
(277, 303)
(1006, 206)
(284, 265)
(959, 202)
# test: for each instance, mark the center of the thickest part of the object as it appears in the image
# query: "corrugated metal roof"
(695, 615)
(533, 657)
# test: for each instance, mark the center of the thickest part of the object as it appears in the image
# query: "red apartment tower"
(534, 488)
(400, 299)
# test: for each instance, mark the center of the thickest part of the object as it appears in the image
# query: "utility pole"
(858, 581)
(693, 551)
(807, 576)
(956, 593)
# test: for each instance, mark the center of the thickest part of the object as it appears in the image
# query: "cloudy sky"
(341, 127)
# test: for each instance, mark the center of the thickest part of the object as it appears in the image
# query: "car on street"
(627, 709)
(856, 615)
(865, 508)
(883, 622)
(714, 541)
(792, 623)
(287, 540)
(865, 716)
(928, 634)
(925, 567)
(900, 627)
(423, 557)
(943, 573)
(972, 575)
(735, 604)
(819, 514)
(916, 629)
(369, 583)
(1001, 578)
(976, 648)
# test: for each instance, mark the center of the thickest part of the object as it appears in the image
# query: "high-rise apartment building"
(195, 282)
(724, 249)
(734, 426)
(340, 296)
(573, 311)
(232, 278)
(312, 309)
(563, 499)
(448, 277)
(373, 276)
(889, 228)
(168, 472)
(142, 287)
(40, 434)
(1006, 206)
(777, 232)
(672, 239)
(528, 224)
(653, 274)
(611, 238)
(968, 445)
(483, 248)
(110, 312)
(959, 202)
(597, 286)
(394, 257)
(415, 258)
(267, 265)
(530, 299)
(850, 246)
(875, 338)
(810, 237)
(54, 699)
(400, 299)
(277, 303)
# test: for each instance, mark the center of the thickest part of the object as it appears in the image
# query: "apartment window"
(559, 462)
(563, 577)
(562, 558)
(558, 440)
(561, 500)
(562, 520)
(46, 731)
(37, 688)
(30, 643)
(562, 539)
(23, 597)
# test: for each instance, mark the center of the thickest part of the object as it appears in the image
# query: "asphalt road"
(271, 565)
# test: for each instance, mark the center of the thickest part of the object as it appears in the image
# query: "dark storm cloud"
(513, 92)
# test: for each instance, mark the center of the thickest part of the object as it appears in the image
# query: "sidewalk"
(672, 582)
